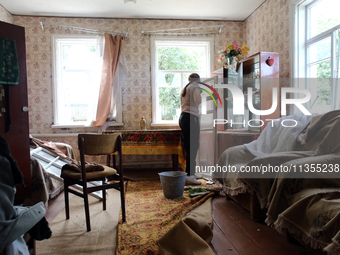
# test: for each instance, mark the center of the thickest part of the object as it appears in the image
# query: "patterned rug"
(149, 215)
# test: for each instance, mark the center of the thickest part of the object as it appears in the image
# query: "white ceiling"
(153, 9)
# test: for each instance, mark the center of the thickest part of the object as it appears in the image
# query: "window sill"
(54, 135)
(70, 126)
(116, 124)
(156, 125)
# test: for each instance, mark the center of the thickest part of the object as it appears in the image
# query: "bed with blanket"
(300, 193)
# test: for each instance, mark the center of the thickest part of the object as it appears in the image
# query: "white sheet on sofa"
(277, 138)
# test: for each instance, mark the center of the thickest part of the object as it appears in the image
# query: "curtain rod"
(164, 31)
(185, 33)
(82, 29)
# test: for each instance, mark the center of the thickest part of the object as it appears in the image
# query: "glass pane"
(78, 56)
(46, 155)
(207, 120)
(254, 120)
(169, 79)
(337, 42)
(76, 95)
(186, 78)
(169, 103)
(181, 58)
(234, 80)
(320, 70)
(56, 171)
(206, 156)
(319, 50)
(323, 16)
(320, 86)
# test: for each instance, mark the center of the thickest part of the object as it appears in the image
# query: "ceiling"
(234, 10)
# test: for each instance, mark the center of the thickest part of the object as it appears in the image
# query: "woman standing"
(189, 123)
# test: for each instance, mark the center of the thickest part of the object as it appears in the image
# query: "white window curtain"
(99, 52)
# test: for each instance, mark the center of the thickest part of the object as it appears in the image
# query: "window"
(53, 164)
(173, 60)
(76, 80)
(317, 51)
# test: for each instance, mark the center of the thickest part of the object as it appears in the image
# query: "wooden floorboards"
(235, 233)
(55, 206)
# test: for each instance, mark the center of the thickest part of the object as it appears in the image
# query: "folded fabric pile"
(89, 167)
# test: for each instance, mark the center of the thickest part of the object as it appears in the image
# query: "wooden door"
(18, 134)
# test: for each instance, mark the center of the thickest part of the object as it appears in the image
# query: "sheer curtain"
(97, 78)
(113, 50)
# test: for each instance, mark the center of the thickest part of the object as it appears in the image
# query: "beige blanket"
(43, 186)
(235, 156)
(191, 235)
(305, 202)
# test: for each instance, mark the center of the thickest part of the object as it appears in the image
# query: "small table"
(153, 142)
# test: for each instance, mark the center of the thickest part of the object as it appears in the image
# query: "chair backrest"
(99, 144)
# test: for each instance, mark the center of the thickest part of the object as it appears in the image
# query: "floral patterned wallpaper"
(267, 29)
(137, 87)
(5, 15)
(136, 91)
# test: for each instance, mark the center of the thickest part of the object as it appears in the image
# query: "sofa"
(289, 177)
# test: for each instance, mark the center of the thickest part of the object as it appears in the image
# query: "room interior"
(265, 26)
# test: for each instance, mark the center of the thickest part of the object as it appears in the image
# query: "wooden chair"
(95, 145)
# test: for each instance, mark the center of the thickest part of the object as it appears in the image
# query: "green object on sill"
(196, 191)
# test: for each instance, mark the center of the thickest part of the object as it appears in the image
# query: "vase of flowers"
(232, 54)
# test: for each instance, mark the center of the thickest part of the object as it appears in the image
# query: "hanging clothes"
(9, 63)
(9, 74)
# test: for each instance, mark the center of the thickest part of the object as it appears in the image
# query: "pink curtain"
(112, 52)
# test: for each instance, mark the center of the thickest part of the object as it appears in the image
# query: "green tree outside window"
(175, 59)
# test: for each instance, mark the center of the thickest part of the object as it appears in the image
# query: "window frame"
(48, 160)
(154, 68)
(302, 44)
(55, 77)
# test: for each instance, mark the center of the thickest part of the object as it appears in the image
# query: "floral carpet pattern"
(149, 215)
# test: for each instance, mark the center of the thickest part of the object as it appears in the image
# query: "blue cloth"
(15, 221)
